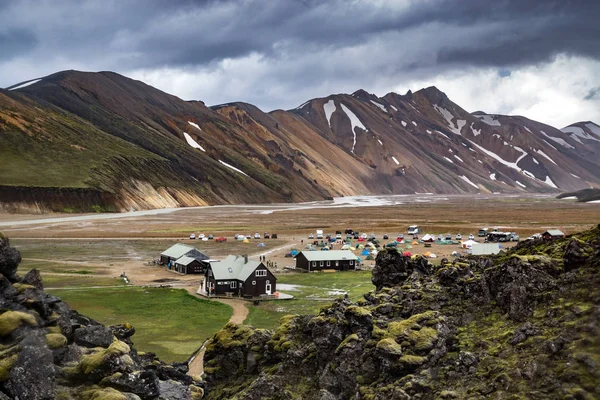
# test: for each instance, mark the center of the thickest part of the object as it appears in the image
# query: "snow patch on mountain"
(192, 142)
(448, 116)
(576, 133)
(428, 131)
(396, 161)
(496, 157)
(233, 168)
(520, 184)
(527, 129)
(535, 161)
(558, 140)
(488, 119)
(575, 176)
(355, 124)
(476, 132)
(541, 153)
(329, 109)
(449, 160)
(380, 142)
(381, 106)
(493, 176)
(549, 182)
(414, 123)
(458, 158)
(26, 84)
(528, 174)
(194, 125)
(394, 108)
(593, 127)
(464, 178)
(403, 123)
(443, 134)
(302, 105)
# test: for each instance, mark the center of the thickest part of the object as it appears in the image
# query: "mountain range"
(81, 141)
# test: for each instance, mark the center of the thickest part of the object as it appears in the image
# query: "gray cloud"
(593, 93)
(303, 48)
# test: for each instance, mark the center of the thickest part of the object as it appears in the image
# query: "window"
(230, 270)
(261, 272)
(314, 263)
(351, 262)
(267, 282)
(321, 263)
(337, 263)
(233, 285)
(328, 263)
(254, 283)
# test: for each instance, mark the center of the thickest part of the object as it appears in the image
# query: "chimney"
(245, 258)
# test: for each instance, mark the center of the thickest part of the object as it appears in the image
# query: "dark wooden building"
(341, 260)
(238, 276)
(553, 234)
(189, 265)
(175, 252)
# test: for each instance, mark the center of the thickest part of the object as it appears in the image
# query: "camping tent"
(246, 241)
(468, 244)
(294, 252)
(261, 245)
(346, 247)
(325, 249)
(408, 246)
(370, 258)
(407, 253)
(428, 238)
(374, 252)
(360, 246)
(365, 252)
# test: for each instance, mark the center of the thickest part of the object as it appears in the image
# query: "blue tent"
(365, 252)
(325, 249)
(294, 252)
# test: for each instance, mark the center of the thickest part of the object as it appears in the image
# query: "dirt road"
(240, 312)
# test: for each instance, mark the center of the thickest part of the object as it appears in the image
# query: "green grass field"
(311, 292)
(168, 322)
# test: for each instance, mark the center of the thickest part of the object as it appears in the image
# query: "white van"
(414, 229)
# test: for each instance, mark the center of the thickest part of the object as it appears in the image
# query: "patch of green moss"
(6, 364)
(96, 393)
(389, 345)
(231, 335)
(412, 360)
(21, 287)
(398, 328)
(423, 338)
(350, 338)
(55, 340)
(90, 362)
(11, 320)
(358, 311)
(197, 392)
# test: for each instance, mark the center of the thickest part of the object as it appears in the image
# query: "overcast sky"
(540, 59)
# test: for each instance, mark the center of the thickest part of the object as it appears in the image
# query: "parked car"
(201, 236)
(363, 236)
(210, 236)
(221, 239)
(257, 235)
(471, 237)
(371, 236)
(459, 237)
(267, 236)
(248, 236)
(355, 236)
(439, 237)
(448, 237)
(193, 236)
(386, 236)
(401, 236)
(311, 236)
(274, 236)
(338, 236)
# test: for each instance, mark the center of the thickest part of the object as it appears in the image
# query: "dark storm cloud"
(144, 34)
(593, 93)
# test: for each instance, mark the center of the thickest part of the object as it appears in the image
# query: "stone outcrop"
(48, 351)
(520, 324)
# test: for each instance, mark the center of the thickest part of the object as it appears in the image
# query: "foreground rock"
(48, 351)
(520, 325)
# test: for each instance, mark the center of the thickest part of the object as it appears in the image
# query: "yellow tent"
(246, 241)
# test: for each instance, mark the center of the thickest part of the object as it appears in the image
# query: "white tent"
(468, 244)
(346, 247)
(428, 238)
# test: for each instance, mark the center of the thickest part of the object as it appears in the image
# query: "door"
(267, 288)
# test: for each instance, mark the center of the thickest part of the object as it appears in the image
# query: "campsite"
(83, 260)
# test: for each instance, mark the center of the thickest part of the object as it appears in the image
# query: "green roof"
(554, 232)
(331, 255)
(234, 267)
(185, 260)
(179, 250)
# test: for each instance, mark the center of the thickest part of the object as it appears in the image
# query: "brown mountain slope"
(125, 144)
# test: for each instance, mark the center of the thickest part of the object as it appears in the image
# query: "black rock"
(9, 259)
(93, 336)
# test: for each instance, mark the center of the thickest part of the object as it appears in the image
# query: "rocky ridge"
(48, 351)
(523, 324)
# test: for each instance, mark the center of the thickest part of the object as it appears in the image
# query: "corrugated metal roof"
(185, 260)
(233, 267)
(177, 250)
(331, 255)
(555, 232)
